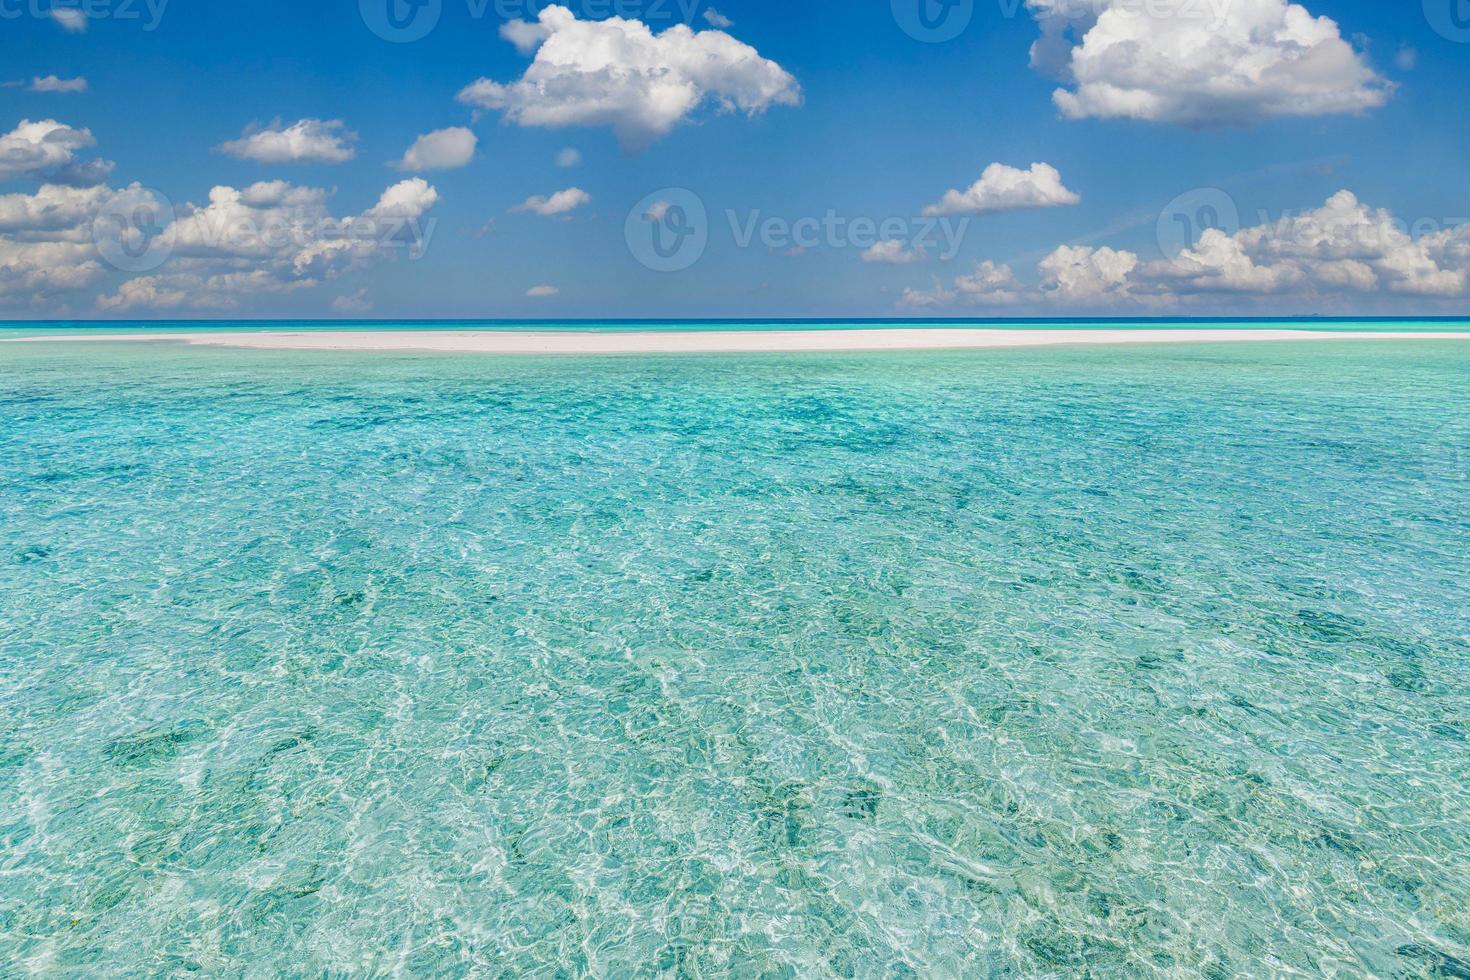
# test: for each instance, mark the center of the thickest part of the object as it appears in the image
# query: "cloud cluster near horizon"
(1343, 248)
(271, 237)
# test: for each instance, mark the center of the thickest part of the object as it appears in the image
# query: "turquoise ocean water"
(1138, 662)
(102, 328)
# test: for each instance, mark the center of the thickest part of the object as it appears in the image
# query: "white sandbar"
(720, 341)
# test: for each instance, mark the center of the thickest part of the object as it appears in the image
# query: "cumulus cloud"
(894, 252)
(274, 237)
(59, 86)
(989, 285)
(1184, 61)
(618, 73)
(41, 148)
(570, 157)
(1342, 251)
(54, 209)
(443, 149)
(1343, 245)
(525, 35)
(268, 238)
(1003, 188)
(353, 304)
(46, 239)
(714, 18)
(35, 271)
(562, 202)
(71, 19)
(1082, 273)
(162, 293)
(304, 141)
(542, 292)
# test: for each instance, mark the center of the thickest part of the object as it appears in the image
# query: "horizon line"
(592, 321)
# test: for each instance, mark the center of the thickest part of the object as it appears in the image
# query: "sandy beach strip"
(718, 341)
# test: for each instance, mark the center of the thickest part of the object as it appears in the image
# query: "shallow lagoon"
(1149, 661)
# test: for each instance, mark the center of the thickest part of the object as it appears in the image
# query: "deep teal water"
(1008, 663)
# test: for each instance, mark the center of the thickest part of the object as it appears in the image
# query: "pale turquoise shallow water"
(1129, 662)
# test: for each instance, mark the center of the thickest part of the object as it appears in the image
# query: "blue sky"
(810, 110)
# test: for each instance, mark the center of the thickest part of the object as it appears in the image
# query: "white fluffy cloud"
(542, 292)
(46, 239)
(525, 35)
(54, 209)
(1074, 274)
(37, 148)
(714, 18)
(35, 271)
(353, 304)
(1196, 62)
(562, 202)
(618, 73)
(894, 252)
(1343, 245)
(71, 19)
(443, 149)
(59, 86)
(1342, 251)
(304, 141)
(270, 238)
(989, 285)
(1003, 188)
(570, 157)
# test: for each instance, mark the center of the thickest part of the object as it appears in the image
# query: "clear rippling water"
(1009, 663)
